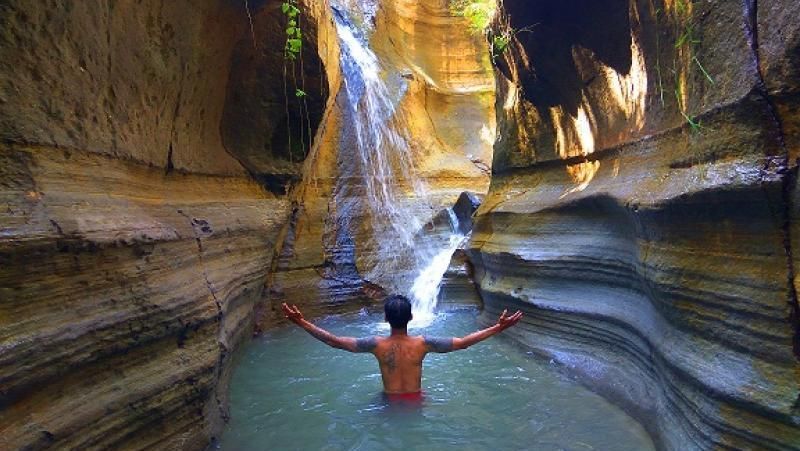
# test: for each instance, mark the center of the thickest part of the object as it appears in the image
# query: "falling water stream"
(397, 198)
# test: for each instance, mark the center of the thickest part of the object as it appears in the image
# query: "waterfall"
(397, 198)
(425, 289)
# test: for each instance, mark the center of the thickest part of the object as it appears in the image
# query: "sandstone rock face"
(644, 217)
(133, 244)
(446, 103)
(265, 125)
(643, 207)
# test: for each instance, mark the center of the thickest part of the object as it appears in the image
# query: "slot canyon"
(623, 172)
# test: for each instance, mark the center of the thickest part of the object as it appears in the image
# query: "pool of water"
(290, 391)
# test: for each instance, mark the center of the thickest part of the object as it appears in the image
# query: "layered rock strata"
(133, 243)
(642, 210)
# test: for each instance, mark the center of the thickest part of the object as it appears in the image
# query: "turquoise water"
(290, 391)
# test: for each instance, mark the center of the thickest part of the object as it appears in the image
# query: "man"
(400, 355)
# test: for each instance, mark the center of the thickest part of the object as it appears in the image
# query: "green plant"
(500, 43)
(685, 46)
(293, 53)
(501, 40)
(681, 7)
(294, 36)
(694, 123)
(479, 13)
(687, 36)
(703, 70)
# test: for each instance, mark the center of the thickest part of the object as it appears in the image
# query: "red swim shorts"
(411, 398)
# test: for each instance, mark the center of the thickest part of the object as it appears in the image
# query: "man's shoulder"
(367, 344)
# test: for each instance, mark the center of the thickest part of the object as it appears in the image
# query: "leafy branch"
(478, 13)
(501, 40)
(293, 52)
(294, 36)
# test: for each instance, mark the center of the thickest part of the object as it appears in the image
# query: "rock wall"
(643, 207)
(448, 107)
(643, 213)
(133, 244)
(265, 124)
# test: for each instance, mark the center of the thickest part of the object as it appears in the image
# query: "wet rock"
(466, 205)
(458, 285)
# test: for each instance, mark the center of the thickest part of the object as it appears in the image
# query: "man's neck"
(399, 332)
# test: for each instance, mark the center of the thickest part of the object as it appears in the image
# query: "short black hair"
(398, 311)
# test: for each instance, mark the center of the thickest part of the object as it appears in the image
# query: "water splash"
(426, 287)
(397, 201)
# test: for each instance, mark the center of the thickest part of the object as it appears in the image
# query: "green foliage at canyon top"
(479, 13)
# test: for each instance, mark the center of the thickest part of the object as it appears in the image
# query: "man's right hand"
(292, 313)
(505, 321)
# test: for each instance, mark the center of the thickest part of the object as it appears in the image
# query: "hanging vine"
(294, 36)
(293, 51)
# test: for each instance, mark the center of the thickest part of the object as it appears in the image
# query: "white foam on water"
(425, 290)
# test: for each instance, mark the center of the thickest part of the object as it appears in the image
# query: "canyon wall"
(134, 238)
(643, 209)
(331, 252)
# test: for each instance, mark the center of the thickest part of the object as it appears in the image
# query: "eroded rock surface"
(643, 216)
(133, 244)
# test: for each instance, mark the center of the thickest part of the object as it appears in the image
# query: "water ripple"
(292, 392)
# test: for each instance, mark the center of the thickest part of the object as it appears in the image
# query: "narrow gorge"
(622, 171)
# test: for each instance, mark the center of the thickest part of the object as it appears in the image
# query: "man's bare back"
(400, 359)
(400, 355)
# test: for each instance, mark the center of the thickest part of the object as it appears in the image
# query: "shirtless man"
(400, 355)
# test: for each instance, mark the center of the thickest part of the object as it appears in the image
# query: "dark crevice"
(273, 106)
(789, 175)
(789, 184)
(201, 228)
(554, 30)
(223, 354)
(279, 184)
(170, 165)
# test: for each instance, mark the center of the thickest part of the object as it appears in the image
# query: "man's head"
(398, 311)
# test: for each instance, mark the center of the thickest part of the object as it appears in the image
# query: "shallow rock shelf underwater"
(290, 391)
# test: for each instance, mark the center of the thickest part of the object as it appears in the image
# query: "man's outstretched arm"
(505, 321)
(294, 315)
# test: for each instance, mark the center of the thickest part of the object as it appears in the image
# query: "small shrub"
(500, 44)
(479, 13)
